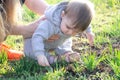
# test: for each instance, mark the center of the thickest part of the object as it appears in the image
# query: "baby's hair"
(8, 16)
(80, 12)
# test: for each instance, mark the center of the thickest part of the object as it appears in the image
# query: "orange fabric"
(11, 54)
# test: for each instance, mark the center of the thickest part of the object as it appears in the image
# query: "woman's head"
(8, 16)
(77, 16)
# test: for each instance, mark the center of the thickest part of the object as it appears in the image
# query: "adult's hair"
(8, 16)
(81, 12)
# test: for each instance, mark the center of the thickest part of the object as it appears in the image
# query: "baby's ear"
(63, 14)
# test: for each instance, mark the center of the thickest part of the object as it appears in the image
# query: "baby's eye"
(69, 27)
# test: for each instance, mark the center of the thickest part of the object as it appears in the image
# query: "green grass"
(106, 26)
(91, 61)
(114, 62)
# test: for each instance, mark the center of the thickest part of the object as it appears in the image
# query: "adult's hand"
(28, 30)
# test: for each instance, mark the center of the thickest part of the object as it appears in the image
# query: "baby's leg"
(70, 57)
(28, 51)
(52, 59)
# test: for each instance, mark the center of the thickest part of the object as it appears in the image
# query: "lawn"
(100, 62)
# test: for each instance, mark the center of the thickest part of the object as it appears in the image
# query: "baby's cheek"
(63, 28)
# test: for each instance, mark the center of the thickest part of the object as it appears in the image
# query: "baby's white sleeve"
(89, 29)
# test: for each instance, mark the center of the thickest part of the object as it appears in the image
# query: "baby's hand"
(90, 37)
(42, 60)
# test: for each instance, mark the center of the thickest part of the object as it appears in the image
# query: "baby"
(65, 19)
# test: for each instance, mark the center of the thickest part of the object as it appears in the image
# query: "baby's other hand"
(42, 60)
(90, 37)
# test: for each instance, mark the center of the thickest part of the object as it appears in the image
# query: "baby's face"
(67, 26)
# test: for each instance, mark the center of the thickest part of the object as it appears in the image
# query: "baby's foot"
(73, 57)
(52, 59)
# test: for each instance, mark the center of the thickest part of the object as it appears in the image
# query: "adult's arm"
(25, 30)
(37, 6)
